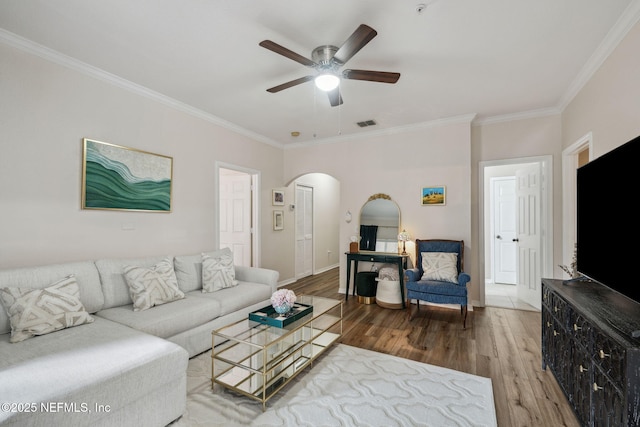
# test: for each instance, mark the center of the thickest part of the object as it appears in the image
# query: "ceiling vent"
(366, 123)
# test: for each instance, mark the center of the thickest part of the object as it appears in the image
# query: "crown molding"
(627, 20)
(531, 114)
(624, 24)
(463, 119)
(56, 57)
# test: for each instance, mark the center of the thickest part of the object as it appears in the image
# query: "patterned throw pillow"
(440, 266)
(152, 286)
(218, 271)
(41, 311)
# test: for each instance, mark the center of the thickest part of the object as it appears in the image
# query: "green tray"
(268, 316)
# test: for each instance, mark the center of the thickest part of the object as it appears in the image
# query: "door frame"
(569, 167)
(255, 207)
(546, 168)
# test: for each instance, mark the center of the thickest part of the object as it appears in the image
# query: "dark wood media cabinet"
(587, 343)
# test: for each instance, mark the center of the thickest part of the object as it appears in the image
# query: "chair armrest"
(258, 275)
(463, 279)
(413, 274)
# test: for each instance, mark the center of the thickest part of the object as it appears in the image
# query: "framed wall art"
(278, 220)
(122, 178)
(433, 196)
(277, 198)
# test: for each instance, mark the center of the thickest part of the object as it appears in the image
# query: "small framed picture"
(277, 198)
(433, 196)
(278, 220)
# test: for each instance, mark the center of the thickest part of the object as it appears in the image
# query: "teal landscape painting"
(121, 178)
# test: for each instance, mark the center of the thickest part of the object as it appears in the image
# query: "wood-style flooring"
(501, 344)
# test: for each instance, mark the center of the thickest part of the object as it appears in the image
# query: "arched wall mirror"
(379, 224)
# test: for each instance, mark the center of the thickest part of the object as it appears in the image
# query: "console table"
(588, 343)
(399, 260)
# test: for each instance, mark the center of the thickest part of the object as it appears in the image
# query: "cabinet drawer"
(581, 369)
(560, 309)
(580, 329)
(607, 402)
(546, 295)
(609, 356)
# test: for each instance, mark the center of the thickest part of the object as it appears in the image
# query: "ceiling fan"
(327, 60)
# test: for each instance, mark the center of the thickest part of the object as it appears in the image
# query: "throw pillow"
(41, 311)
(218, 271)
(440, 266)
(152, 286)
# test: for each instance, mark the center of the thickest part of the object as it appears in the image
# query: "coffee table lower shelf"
(259, 386)
(258, 360)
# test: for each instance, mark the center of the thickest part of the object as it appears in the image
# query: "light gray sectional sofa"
(126, 368)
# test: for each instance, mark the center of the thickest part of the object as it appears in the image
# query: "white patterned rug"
(347, 386)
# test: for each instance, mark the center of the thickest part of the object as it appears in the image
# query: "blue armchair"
(444, 281)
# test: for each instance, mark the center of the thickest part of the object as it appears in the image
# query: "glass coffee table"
(257, 360)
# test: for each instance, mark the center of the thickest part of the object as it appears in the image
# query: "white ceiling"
(490, 58)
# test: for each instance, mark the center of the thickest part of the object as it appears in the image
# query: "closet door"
(304, 231)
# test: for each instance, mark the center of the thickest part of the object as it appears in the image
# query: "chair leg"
(411, 314)
(463, 313)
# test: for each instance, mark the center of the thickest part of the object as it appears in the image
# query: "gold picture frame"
(125, 179)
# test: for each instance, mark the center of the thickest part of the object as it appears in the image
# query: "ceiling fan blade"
(281, 50)
(371, 76)
(292, 83)
(335, 98)
(360, 37)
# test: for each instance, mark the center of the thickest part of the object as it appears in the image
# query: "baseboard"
(325, 269)
(286, 282)
(294, 280)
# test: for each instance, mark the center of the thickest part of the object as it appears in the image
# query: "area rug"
(347, 386)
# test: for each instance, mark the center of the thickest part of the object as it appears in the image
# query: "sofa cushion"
(436, 287)
(166, 320)
(114, 285)
(41, 277)
(189, 269)
(258, 275)
(152, 286)
(440, 266)
(41, 311)
(218, 271)
(189, 272)
(102, 363)
(236, 298)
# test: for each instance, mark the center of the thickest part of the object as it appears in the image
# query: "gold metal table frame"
(257, 360)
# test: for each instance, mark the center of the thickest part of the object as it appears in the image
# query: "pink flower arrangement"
(283, 296)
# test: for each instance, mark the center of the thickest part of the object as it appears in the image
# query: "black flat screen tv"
(608, 219)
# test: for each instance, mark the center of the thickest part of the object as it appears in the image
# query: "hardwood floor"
(501, 344)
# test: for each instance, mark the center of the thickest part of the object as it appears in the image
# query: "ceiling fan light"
(327, 82)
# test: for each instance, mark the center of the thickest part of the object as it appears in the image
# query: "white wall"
(45, 111)
(326, 208)
(521, 139)
(399, 164)
(326, 194)
(609, 104)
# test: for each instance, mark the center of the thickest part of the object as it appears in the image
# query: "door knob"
(516, 240)
(499, 237)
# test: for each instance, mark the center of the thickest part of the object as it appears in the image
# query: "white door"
(235, 214)
(504, 230)
(304, 231)
(529, 236)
